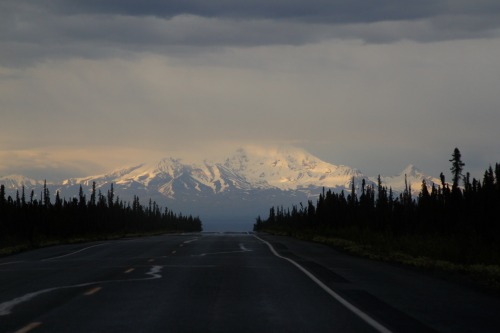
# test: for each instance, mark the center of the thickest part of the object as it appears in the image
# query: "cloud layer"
(371, 84)
(32, 31)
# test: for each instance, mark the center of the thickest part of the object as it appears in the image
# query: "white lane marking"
(365, 317)
(6, 307)
(70, 254)
(190, 241)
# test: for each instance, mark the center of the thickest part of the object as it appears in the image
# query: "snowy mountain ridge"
(285, 169)
(411, 177)
(239, 187)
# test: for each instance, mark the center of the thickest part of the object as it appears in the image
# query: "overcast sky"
(87, 86)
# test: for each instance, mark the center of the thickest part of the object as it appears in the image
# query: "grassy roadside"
(25, 246)
(482, 275)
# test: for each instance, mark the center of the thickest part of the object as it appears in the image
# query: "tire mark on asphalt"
(72, 253)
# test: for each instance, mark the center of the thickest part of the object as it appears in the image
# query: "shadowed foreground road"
(227, 283)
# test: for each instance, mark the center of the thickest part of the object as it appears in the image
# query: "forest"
(28, 222)
(457, 221)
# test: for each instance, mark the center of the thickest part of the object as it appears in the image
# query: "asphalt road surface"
(238, 282)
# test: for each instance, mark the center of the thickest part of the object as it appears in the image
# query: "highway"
(228, 282)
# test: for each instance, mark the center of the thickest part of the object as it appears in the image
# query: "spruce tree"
(2, 195)
(23, 197)
(456, 167)
(111, 196)
(92, 196)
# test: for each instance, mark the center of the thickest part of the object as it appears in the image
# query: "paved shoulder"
(403, 299)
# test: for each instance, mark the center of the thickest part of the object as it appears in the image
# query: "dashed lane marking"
(130, 270)
(92, 291)
(29, 327)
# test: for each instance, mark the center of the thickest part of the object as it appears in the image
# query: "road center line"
(362, 315)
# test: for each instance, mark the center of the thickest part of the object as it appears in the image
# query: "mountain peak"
(410, 170)
(411, 176)
(287, 168)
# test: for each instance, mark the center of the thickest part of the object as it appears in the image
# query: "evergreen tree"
(23, 197)
(58, 202)
(81, 197)
(93, 195)
(111, 195)
(46, 194)
(456, 168)
(424, 193)
(353, 193)
(2, 195)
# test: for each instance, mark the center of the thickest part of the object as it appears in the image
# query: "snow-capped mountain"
(240, 187)
(14, 182)
(411, 177)
(289, 169)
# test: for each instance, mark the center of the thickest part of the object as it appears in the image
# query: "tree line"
(34, 221)
(465, 213)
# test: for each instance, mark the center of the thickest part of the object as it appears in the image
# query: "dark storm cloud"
(328, 11)
(337, 11)
(476, 15)
(31, 30)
